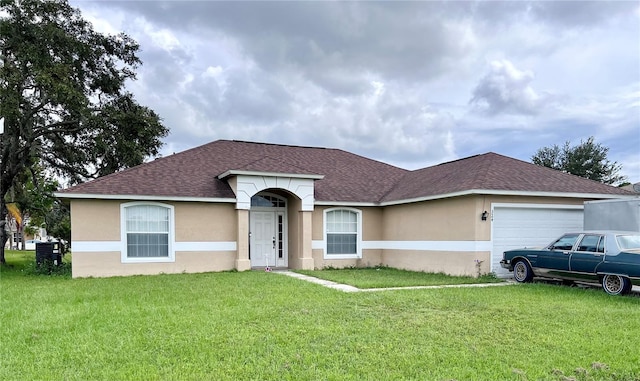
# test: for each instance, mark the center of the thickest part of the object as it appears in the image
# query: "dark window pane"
(565, 242)
(589, 243)
(341, 244)
(141, 245)
(601, 245)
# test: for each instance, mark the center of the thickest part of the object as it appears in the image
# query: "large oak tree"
(63, 98)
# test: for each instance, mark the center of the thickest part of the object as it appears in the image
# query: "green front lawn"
(384, 277)
(266, 326)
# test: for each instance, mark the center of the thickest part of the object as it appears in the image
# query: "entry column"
(242, 257)
(306, 252)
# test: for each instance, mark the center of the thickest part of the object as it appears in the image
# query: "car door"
(555, 260)
(588, 254)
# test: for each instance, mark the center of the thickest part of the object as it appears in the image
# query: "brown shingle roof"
(194, 173)
(347, 177)
(274, 165)
(493, 172)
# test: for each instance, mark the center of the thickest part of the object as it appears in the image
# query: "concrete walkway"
(348, 288)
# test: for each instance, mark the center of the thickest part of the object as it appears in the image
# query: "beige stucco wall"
(448, 262)
(206, 222)
(370, 258)
(99, 220)
(453, 219)
(317, 219)
(95, 220)
(293, 234)
(372, 223)
(107, 264)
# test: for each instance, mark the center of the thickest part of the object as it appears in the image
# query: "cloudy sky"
(409, 83)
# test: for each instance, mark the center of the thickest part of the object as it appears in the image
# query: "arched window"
(147, 230)
(343, 233)
(268, 201)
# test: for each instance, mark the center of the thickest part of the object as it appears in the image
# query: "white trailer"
(619, 214)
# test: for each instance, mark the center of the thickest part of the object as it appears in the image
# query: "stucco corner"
(243, 264)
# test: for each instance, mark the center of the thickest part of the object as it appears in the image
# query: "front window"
(565, 242)
(343, 233)
(147, 230)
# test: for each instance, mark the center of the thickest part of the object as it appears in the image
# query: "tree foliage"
(63, 97)
(33, 196)
(587, 159)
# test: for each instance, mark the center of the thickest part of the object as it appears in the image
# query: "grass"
(385, 277)
(21, 263)
(265, 326)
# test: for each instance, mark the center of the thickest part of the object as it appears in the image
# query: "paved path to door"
(348, 288)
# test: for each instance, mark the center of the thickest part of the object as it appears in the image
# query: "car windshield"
(629, 242)
(565, 242)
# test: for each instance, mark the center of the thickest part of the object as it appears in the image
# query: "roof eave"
(234, 172)
(346, 203)
(87, 196)
(495, 192)
(349, 203)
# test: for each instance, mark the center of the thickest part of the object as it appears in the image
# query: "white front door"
(263, 239)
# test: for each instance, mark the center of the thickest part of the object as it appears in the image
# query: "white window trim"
(358, 253)
(123, 234)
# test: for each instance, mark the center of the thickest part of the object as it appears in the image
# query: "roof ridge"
(481, 175)
(395, 186)
(275, 144)
(453, 161)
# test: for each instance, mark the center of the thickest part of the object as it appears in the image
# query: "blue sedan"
(611, 259)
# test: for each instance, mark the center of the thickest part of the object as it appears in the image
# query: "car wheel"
(616, 284)
(522, 272)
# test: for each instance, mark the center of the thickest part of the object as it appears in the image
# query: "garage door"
(516, 226)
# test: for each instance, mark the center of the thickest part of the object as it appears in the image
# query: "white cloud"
(213, 71)
(391, 81)
(163, 38)
(101, 24)
(505, 89)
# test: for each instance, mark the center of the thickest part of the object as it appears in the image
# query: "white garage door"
(515, 226)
